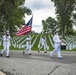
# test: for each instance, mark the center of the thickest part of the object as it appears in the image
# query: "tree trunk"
(63, 27)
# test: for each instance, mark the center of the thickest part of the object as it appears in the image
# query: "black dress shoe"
(59, 57)
(1, 55)
(45, 52)
(38, 50)
(30, 54)
(7, 56)
(23, 52)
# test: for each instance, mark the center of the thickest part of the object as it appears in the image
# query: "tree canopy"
(64, 10)
(49, 25)
(11, 14)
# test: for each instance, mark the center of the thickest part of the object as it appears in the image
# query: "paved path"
(38, 64)
(1, 73)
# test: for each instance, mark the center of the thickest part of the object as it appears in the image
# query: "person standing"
(6, 44)
(28, 45)
(43, 44)
(57, 43)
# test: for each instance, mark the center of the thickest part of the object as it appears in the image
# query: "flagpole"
(30, 33)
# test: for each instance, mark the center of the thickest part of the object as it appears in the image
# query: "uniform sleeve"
(4, 38)
(9, 37)
(54, 38)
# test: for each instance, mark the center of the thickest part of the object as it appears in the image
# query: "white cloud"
(41, 11)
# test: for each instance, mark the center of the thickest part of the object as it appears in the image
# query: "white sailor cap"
(55, 32)
(7, 31)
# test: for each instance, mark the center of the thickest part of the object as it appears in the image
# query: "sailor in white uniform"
(43, 44)
(6, 44)
(28, 45)
(57, 43)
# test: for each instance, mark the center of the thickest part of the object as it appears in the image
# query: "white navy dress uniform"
(28, 45)
(43, 44)
(6, 44)
(57, 47)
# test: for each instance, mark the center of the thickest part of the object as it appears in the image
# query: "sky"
(41, 9)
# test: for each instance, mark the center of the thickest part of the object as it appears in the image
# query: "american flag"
(24, 30)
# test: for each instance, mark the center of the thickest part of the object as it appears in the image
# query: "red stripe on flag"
(24, 30)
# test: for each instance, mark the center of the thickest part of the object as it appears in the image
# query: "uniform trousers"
(57, 49)
(28, 47)
(43, 45)
(6, 48)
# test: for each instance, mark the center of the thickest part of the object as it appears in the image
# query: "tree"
(74, 15)
(64, 9)
(11, 14)
(49, 25)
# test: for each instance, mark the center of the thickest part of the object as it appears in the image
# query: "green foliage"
(71, 32)
(74, 18)
(11, 14)
(49, 25)
(35, 47)
(64, 9)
